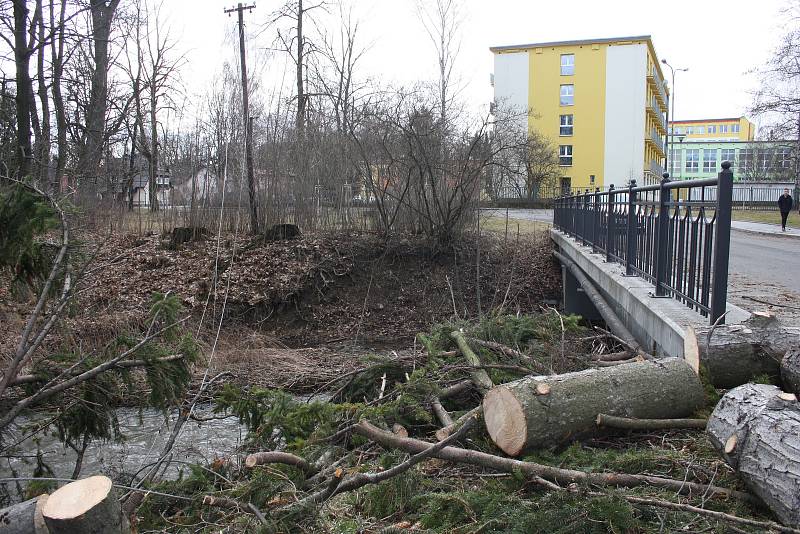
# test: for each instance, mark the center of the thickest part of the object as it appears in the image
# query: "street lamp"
(664, 61)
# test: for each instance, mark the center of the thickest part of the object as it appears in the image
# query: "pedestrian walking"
(785, 205)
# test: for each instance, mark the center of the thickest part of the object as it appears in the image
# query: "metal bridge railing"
(674, 234)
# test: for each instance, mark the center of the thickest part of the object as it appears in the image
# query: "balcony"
(655, 111)
(655, 139)
(658, 87)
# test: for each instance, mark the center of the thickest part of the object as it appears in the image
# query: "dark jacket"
(785, 203)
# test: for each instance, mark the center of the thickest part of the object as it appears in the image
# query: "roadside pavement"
(763, 228)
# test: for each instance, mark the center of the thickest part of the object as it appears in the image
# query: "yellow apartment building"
(601, 101)
(733, 129)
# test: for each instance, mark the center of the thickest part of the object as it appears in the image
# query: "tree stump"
(24, 517)
(756, 428)
(282, 232)
(538, 411)
(736, 353)
(790, 372)
(186, 234)
(88, 506)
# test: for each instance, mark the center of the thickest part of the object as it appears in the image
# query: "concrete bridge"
(658, 323)
(655, 256)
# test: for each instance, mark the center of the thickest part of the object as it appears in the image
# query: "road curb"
(762, 232)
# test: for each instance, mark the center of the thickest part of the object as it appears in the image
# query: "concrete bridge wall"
(658, 324)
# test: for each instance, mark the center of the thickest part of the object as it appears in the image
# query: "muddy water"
(144, 431)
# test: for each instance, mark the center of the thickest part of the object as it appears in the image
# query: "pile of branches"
(401, 446)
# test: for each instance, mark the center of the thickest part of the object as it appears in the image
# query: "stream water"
(145, 432)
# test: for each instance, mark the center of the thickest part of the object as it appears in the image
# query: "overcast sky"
(718, 40)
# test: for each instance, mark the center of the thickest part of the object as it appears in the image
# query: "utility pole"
(248, 136)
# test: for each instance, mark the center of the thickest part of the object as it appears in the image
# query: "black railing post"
(595, 219)
(632, 233)
(585, 217)
(610, 224)
(722, 239)
(662, 237)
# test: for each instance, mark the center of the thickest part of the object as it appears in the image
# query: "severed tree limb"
(612, 356)
(553, 474)
(125, 364)
(648, 424)
(441, 414)
(276, 457)
(508, 351)
(317, 497)
(722, 516)
(479, 376)
(223, 502)
(442, 433)
(614, 363)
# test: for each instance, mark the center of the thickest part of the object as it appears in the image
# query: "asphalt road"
(757, 257)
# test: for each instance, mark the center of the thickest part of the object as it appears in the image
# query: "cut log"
(756, 428)
(479, 376)
(736, 353)
(790, 372)
(520, 415)
(441, 414)
(24, 517)
(88, 506)
(444, 433)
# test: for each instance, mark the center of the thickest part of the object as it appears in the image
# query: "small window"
(728, 154)
(591, 179)
(566, 185)
(723, 128)
(565, 155)
(692, 160)
(710, 160)
(565, 127)
(567, 95)
(567, 64)
(700, 130)
(689, 130)
(735, 128)
(712, 128)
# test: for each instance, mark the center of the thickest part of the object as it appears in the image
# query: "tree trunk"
(24, 518)
(756, 428)
(24, 89)
(737, 353)
(537, 411)
(790, 372)
(88, 506)
(152, 182)
(57, 60)
(102, 16)
(43, 153)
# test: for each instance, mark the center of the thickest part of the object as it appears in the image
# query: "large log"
(89, 506)
(734, 354)
(756, 428)
(790, 372)
(537, 411)
(24, 517)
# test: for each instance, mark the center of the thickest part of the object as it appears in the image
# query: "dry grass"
(766, 217)
(497, 226)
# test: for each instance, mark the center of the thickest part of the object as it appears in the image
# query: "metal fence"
(674, 234)
(759, 196)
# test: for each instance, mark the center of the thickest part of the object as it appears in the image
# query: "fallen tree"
(790, 371)
(24, 517)
(734, 354)
(756, 428)
(537, 411)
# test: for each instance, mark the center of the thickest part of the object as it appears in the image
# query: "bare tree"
(442, 21)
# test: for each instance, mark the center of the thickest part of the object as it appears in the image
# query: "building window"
(679, 130)
(783, 158)
(689, 130)
(567, 64)
(723, 128)
(728, 154)
(566, 125)
(712, 128)
(591, 179)
(746, 160)
(710, 160)
(675, 157)
(692, 160)
(567, 95)
(700, 130)
(764, 159)
(565, 155)
(735, 128)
